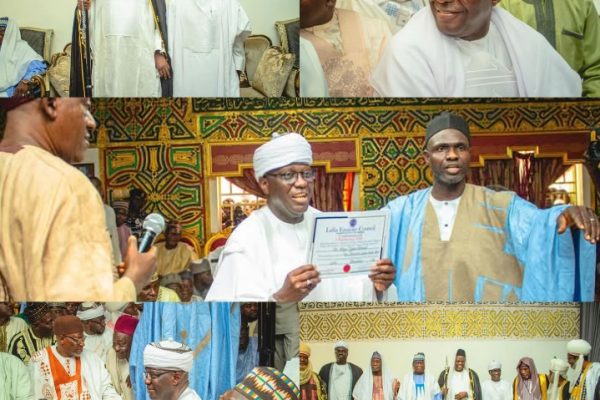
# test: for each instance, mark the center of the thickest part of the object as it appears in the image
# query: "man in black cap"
(37, 336)
(460, 242)
(460, 382)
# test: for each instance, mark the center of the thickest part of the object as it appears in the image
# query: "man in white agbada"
(206, 42)
(583, 375)
(127, 49)
(420, 384)
(98, 338)
(471, 49)
(67, 370)
(558, 380)
(460, 381)
(496, 388)
(167, 365)
(376, 383)
(265, 256)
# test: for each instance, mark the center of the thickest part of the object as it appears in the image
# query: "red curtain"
(329, 190)
(494, 172)
(535, 176)
(523, 174)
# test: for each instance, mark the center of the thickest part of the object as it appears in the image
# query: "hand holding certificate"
(344, 243)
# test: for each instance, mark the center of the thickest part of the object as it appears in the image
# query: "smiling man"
(54, 244)
(496, 388)
(460, 242)
(471, 48)
(460, 382)
(67, 370)
(419, 385)
(341, 376)
(167, 365)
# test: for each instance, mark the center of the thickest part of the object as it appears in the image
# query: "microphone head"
(155, 223)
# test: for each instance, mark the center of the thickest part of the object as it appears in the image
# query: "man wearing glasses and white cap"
(167, 365)
(496, 388)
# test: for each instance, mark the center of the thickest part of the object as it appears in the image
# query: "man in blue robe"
(460, 242)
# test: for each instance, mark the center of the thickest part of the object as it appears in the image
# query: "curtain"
(522, 172)
(494, 172)
(248, 183)
(329, 190)
(545, 172)
(590, 327)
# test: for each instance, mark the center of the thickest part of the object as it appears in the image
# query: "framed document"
(344, 243)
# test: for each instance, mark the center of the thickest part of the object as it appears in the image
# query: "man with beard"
(340, 377)
(496, 388)
(52, 219)
(166, 371)
(98, 339)
(154, 292)
(9, 325)
(37, 336)
(67, 370)
(376, 383)
(420, 385)
(117, 360)
(529, 385)
(460, 382)
(583, 375)
(460, 242)
(312, 387)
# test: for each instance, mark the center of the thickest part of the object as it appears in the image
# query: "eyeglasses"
(291, 177)
(154, 374)
(76, 340)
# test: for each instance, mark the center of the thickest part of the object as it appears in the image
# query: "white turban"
(281, 150)
(340, 343)
(558, 365)
(91, 313)
(579, 346)
(168, 354)
(494, 365)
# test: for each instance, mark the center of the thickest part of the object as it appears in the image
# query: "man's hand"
(139, 267)
(445, 390)
(298, 284)
(86, 4)
(162, 65)
(395, 386)
(382, 274)
(461, 395)
(581, 217)
(22, 89)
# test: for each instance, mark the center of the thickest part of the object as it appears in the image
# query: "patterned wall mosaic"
(323, 322)
(390, 130)
(171, 176)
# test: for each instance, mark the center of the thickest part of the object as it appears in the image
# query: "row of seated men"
(446, 48)
(82, 350)
(575, 379)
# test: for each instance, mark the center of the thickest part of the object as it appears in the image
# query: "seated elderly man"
(472, 49)
(167, 365)
(117, 360)
(98, 338)
(172, 255)
(18, 61)
(67, 370)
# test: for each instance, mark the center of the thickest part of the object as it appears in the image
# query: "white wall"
(58, 15)
(398, 355)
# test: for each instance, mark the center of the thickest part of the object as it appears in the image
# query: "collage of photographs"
(300, 199)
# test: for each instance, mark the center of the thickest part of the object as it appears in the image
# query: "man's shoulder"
(40, 355)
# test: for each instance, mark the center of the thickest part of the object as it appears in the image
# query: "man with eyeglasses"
(166, 371)
(67, 370)
(265, 257)
(54, 244)
(98, 338)
(460, 242)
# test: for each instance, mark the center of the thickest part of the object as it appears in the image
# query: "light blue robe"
(555, 267)
(35, 67)
(213, 372)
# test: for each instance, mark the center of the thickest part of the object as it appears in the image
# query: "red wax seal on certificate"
(347, 268)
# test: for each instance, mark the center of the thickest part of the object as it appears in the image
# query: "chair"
(289, 34)
(40, 40)
(217, 240)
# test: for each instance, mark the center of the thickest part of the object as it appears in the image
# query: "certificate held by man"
(345, 243)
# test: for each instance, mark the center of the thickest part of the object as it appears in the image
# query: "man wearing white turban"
(583, 375)
(559, 388)
(496, 388)
(167, 365)
(98, 338)
(265, 257)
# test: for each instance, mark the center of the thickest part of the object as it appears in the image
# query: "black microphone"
(153, 225)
